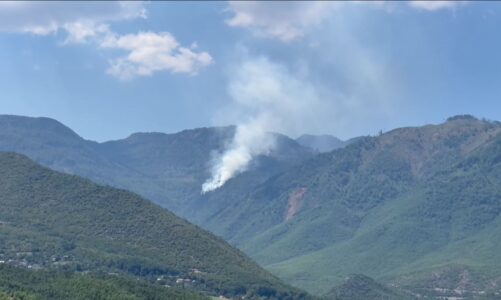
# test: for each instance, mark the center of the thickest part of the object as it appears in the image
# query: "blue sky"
(110, 69)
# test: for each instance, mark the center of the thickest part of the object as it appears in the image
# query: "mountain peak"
(320, 143)
(462, 117)
(37, 123)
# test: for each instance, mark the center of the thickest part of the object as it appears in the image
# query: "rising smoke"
(353, 87)
(267, 98)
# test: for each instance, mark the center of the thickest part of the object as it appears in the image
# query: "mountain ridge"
(321, 142)
(168, 169)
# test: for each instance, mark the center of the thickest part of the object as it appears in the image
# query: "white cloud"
(285, 21)
(88, 23)
(42, 18)
(82, 32)
(291, 20)
(150, 52)
(435, 5)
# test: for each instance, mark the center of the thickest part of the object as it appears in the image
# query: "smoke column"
(250, 140)
(266, 98)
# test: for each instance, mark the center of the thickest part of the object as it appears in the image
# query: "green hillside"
(414, 199)
(53, 220)
(22, 284)
(360, 287)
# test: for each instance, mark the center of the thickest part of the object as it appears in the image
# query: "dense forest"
(51, 220)
(21, 284)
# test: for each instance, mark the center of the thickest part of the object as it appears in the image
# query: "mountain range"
(415, 208)
(168, 169)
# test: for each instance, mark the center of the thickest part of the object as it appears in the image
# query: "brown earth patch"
(294, 203)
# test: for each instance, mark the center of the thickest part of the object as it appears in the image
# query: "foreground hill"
(53, 220)
(22, 284)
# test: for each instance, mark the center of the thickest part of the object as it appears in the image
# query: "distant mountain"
(168, 169)
(324, 142)
(172, 167)
(51, 220)
(320, 143)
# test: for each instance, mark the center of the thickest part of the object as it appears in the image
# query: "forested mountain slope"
(411, 200)
(53, 220)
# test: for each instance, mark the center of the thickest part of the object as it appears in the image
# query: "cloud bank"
(47, 17)
(289, 21)
(435, 5)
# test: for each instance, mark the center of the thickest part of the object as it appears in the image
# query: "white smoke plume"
(250, 139)
(266, 98)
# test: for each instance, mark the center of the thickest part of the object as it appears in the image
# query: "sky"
(108, 69)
